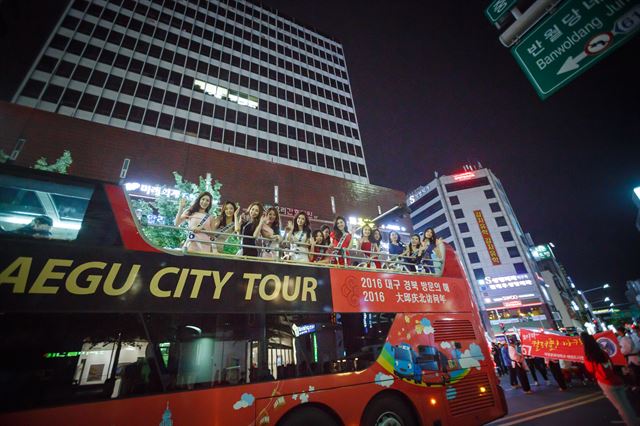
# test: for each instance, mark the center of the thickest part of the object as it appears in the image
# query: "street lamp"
(607, 299)
(601, 287)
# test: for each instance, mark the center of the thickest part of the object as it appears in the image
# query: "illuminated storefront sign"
(486, 236)
(508, 281)
(542, 252)
(299, 330)
(148, 190)
(417, 194)
(464, 176)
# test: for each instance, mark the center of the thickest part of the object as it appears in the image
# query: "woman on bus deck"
(326, 233)
(269, 229)
(598, 364)
(224, 224)
(198, 220)
(396, 247)
(318, 248)
(298, 234)
(376, 243)
(249, 234)
(340, 240)
(413, 253)
(430, 250)
(367, 245)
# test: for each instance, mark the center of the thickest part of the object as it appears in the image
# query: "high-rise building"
(223, 74)
(471, 211)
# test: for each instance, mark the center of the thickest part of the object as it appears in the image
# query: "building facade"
(226, 75)
(471, 211)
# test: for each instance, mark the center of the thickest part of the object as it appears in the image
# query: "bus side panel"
(128, 230)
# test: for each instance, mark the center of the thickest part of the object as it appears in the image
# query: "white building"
(228, 75)
(471, 211)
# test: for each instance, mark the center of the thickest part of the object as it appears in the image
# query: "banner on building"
(486, 236)
(544, 344)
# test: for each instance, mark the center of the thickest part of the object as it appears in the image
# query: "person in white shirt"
(519, 364)
(630, 351)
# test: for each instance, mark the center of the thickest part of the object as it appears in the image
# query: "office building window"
(463, 227)
(489, 194)
(506, 236)
(495, 207)
(501, 221)
(458, 213)
(513, 251)
(520, 268)
(473, 257)
(468, 242)
(478, 274)
(454, 200)
(445, 233)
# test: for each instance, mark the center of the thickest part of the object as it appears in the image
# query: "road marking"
(547, 407)
(546, 413)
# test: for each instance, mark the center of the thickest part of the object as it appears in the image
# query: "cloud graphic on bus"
(384, 380)
(445, 345)
(424, 327)
(245, 401)
(471, 357)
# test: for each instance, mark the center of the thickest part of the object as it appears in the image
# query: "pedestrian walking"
(631, 354)
(537, 364)
(598, 364)
(556, 371)
(520, 366)
(513, 378)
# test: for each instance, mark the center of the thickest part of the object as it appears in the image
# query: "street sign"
(574, 38)
(498, 8)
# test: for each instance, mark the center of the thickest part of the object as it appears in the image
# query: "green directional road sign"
(575, 37)
(498, 8)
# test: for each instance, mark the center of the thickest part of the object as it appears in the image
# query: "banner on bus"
(357, 291)
(544, 344)
(45, 277)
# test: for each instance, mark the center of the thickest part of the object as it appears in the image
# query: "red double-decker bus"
(100, 327)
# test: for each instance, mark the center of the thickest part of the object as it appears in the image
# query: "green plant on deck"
(61, 165)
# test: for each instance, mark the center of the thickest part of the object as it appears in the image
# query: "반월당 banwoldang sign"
(573, 39)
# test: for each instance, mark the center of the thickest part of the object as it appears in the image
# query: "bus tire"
(388, 409)
(308, 416)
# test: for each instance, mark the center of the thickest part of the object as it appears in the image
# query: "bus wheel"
(308, 416)
(388, 410)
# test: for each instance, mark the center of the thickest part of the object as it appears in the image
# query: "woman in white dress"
(298, 235)
(198, 220)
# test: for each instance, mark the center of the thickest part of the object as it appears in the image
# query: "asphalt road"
(548, 406)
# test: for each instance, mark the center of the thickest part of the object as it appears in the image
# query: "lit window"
(226, 94)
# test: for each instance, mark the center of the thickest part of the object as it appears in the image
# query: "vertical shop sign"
(486, 236)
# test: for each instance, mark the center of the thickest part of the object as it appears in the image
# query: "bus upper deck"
(103, 324)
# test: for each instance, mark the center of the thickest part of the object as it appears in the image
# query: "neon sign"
(464, 176)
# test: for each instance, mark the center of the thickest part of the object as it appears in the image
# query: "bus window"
(33, 208)
(71, 358)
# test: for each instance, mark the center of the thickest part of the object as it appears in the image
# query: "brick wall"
(98, 151)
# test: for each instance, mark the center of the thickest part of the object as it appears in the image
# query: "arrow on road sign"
(572, 63)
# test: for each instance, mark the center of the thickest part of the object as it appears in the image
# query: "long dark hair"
(276, 222)
(306, 228)
(411, 249)
(431, 240)
(592, 350)
(375, 240)
(195, 207)
(336, 232)
(400, 243)
(223, 216)
(326, 241)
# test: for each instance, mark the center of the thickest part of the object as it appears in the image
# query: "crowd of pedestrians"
(256, 231)
(615, 381)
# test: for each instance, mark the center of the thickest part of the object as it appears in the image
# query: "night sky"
(434, 88)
